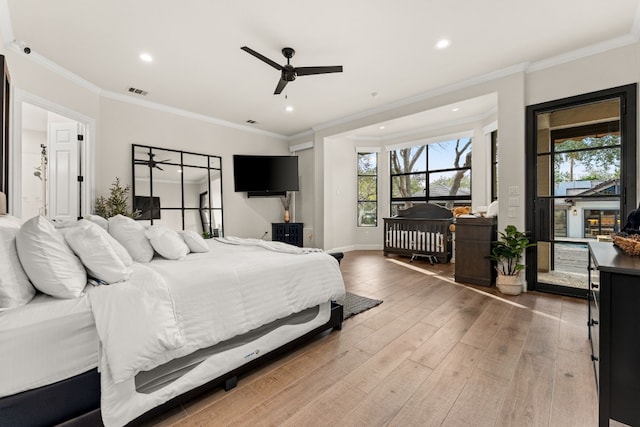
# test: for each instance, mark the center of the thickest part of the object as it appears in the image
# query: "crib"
(420, 231)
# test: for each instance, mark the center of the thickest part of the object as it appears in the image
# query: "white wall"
(515, 91)
(123, 124)
(31, 185)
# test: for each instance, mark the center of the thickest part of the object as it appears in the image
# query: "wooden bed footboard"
(420, 231)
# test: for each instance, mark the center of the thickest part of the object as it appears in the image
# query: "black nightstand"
(288, 232)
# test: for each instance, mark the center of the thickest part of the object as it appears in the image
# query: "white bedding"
(48, 340)
(201, 300)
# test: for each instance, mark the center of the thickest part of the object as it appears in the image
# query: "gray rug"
(354, 304)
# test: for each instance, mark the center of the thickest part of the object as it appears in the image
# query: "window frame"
(359, 201)
(449, 200)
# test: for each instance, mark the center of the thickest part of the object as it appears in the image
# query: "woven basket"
(629, 245)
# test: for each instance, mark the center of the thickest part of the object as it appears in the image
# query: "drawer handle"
(594, 358)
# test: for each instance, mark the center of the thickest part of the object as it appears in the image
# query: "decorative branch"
(286, 200)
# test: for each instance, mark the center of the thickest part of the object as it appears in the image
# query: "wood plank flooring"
(434, 353)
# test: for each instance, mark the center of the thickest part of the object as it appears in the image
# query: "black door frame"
(628, 175)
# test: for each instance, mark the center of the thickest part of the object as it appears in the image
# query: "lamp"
(574, 212)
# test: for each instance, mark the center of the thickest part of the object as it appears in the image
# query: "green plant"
(117, 203)
(507, 251)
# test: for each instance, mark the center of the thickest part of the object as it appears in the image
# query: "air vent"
(137, 91)
(251, 122)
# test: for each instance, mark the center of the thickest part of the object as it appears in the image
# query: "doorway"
(581, 182)
(52, 172)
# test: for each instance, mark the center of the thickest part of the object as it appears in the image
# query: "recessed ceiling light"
(288, 108)
(455, 109)
(146, 57)
(381, 127)
(443, 44)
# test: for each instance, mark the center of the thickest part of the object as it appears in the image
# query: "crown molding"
(189, 114)
(583, 52)
(503, 72)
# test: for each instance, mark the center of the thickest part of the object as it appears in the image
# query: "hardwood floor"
(433, 353)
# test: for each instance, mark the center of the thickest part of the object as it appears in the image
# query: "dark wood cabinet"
(614, 331)
(288, 232)
(474, 237)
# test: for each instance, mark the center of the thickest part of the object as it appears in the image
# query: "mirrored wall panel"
(179, 189)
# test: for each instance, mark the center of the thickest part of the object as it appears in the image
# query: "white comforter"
(171, 308)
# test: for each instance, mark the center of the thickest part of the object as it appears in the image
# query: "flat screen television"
(148, 207)
(265, 175)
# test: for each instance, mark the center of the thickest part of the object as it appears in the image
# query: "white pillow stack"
(194, 241)
(15, 288)
(101, 254)
(131, 235)
(48, 261)
(167, 242)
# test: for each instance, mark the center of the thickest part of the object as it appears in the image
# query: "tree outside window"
(436, 173)
(367, 189)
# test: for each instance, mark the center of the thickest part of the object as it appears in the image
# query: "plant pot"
(509, 285)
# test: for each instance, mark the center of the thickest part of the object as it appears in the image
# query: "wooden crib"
(420, 231)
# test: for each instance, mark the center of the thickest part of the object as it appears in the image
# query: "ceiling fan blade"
(281, 84)
(262, 57)
(305, 71)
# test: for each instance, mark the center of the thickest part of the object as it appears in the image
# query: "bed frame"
(420, 231)
(76, 401)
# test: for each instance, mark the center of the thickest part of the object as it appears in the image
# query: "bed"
(420, 231)
(119, 354)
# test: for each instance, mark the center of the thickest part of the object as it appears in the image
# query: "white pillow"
(120, 250)
(48, 261)
(167, 242)
(15, 288)
(194, 241)
(102, 222)
(131, 235)
(92, 244)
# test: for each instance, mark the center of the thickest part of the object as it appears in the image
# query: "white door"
(62, 147)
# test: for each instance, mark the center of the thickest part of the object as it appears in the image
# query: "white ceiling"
(386, 49)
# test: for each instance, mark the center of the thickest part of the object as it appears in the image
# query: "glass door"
(580, 184)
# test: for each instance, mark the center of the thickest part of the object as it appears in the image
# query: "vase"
(287, 217)
(509, 285)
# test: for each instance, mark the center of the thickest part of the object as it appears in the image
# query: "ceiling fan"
(151, 162)
(288, 71)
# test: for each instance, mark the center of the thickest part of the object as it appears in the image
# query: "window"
(494, 165)
(367, 189)
(438, 173)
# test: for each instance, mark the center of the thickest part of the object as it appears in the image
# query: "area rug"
(354, 304)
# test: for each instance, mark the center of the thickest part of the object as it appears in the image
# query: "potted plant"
(116, 203)
(507, 252)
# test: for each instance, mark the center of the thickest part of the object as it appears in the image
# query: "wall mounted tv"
(148, 207)
(265, 175)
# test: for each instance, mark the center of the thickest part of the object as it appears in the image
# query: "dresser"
(474, 237)
(614, 331)
(288, 232)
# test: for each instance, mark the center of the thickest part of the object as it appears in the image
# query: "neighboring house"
(585, 217)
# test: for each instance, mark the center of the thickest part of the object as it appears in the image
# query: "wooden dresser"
(614, 331)
(474, 237)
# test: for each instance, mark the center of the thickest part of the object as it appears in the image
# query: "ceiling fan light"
(288, 108)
